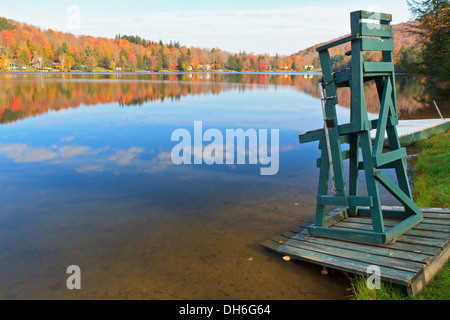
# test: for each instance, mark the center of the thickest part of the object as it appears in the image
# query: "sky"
(258, 26)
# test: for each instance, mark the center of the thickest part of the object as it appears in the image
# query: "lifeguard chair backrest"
(371, 24)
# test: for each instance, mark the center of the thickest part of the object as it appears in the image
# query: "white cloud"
(124, 157)
(66, 139)
(159, 163)
(283, 26)
(73, 151)
(21, 153)
(93, 168)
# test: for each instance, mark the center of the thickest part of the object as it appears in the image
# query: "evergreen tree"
(274, 62)
(5, 25)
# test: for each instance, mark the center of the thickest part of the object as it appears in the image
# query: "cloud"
(21, 153)
(160, 163)
(93, 168)
(66, 139)
(73, 151)
(124, 157)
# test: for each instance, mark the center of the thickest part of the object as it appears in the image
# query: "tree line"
(29, 46)
(421, 46)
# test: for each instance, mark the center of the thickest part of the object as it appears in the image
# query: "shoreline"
(165, 72)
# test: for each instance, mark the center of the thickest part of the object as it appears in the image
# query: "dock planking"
(411, 131)
(411, 261)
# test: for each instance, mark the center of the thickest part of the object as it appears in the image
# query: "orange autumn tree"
(26, 44)
(4, 63)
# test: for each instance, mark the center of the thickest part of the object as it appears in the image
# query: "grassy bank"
(431, 189)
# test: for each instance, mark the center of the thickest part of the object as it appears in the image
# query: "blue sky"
(259, 26)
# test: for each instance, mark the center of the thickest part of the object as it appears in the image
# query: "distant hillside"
(27, 47)
(403, 39)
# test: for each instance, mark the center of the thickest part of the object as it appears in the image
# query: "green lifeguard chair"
(370, 31)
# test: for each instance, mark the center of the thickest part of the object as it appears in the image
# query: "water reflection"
(87, 179)
(25, 96)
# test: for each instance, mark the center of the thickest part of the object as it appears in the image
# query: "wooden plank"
(378, 67)
(402, 227)
(345, 201)
(319, 134)
(400, 165)
(397, 192)
(332, 131)
(387, 251)
(385, 105)
(413, 232)
(389, 157)
(407, 238)
(373, 44)
(391, 122)
(387, 213)
(376, 30)
(423, 278)
(425, 133)
(322, 189)
(375, 15)
(331, 220)
(437, 221)
(424, 225)
(437, 210)
(347, 265)
(438, 243)
(348, 234)
(342, 78)
(353, 183)
(413, 260)
(334, 43)
(399, 245)
(360, 256)
(372, 187)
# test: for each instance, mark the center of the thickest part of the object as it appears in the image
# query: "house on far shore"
(14, 65)
(206, 67)
(37, 63)
(58, 65)
(309, 67)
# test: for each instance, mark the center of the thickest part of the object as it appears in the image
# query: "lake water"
(87, 179)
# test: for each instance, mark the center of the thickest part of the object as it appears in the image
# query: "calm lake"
(87, 179)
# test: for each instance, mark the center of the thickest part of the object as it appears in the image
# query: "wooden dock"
(411, 131)
(411, 261)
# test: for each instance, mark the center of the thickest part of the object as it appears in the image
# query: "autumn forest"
(26, 47)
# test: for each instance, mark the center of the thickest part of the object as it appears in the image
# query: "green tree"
(112, 65)
(337, 60)
(183, 63)
(142, 63)
(70, 62)
(5, 25)
(23, 58)
(89, 51)
(433, 29)
(91, 63)
(274, 62)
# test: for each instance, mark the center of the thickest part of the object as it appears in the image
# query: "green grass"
(438, 289)
(432, 178)
(431, 189)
